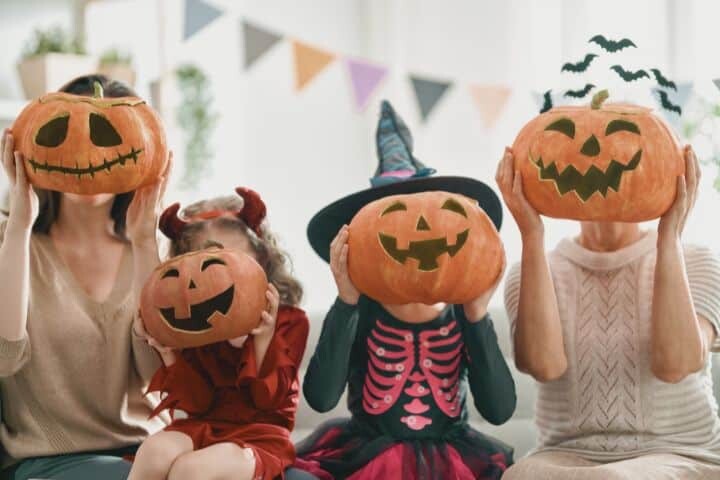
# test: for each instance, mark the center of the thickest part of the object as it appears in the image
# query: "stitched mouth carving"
(200, 313)
(90, 169)
(424, 251)
(592, 181)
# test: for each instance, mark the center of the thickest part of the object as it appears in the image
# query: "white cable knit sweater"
(608, 405)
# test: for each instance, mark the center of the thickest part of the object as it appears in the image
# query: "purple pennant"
(365, 78)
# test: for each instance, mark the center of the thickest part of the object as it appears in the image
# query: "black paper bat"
(629, 75)
(548, 102)
(612, 45)
(580, 66)
(662, 81)
(667, 104)
(580, 93)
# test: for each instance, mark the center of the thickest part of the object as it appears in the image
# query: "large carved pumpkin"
(203, 297)
(602, 162)
(90, 145)
(424, 247)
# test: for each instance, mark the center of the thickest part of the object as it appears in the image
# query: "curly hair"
(272, 259)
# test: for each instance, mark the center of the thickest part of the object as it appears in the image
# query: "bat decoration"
(548, 104)
(580, 93)
(612, 46)
(629, 75)
(662, 81)
(580, 66)
(667, 104)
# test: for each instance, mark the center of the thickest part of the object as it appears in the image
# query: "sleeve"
(270, 384)
(145, 358)
(491, 383)
(512, 298)
(182, 386)
(327, 372)
(703, 272)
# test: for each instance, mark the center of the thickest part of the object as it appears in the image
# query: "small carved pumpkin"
(424, 247)
(90, 145)
(203, 297)
(613, 162)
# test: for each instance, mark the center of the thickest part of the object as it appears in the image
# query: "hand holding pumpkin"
(268, 318)
(673, 221)
(509, 181)
(347, 291)
(166, 353)
(476, 309)
(23, 200)
(145, 208)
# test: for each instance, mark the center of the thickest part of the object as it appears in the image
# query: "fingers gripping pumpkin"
(614, 162)
(203, 297)
(424, 247)
(89, 145)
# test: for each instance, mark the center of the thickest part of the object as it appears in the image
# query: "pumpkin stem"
(98, 90)
(598, 99)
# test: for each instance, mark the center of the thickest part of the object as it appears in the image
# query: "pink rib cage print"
(393, 369)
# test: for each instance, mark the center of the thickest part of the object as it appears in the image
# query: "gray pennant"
(257, 42)
(198, 15)
(428, 93)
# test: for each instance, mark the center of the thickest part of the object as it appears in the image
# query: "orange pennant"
(309, 61)
(490, 101)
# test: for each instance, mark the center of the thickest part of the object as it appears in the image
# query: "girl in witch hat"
(418, 428)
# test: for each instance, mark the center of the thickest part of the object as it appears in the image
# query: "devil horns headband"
(252, 213)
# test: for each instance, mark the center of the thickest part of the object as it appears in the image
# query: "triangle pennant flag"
(365, 78)
(716, 81)
(490, 101)
(198, 14)
(428, 92)
(257, 42)
(309, 61)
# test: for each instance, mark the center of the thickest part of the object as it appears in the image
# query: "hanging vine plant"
(198, 121)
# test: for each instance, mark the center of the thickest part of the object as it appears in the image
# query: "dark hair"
(271, 258)
(49, 199)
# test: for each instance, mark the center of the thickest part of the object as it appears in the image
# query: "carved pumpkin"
(612, 162)
(424, 247)
(203, 297)
(89, 145)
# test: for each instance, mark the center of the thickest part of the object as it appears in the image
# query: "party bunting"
(258, 41)
(490, 101)
(198, 15)
(365, 78)
(716, 81)
(428, 92)
(309, 61)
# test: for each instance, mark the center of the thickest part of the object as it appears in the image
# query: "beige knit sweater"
(608, 405)
(75, 382)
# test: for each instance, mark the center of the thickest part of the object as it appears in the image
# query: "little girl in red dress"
(233, 403)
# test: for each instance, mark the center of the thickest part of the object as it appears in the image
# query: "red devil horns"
(253, 211)
(170, 224)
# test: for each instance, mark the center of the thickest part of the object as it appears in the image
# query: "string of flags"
(366, 76)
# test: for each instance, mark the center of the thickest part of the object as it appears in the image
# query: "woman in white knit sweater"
(617, 325)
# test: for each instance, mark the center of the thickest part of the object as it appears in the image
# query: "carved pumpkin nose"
(422, 224)
(192, 284)
(591, 147)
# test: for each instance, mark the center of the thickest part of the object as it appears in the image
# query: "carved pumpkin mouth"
(90, 169)
(592, 181)
(424, 251)
(200, 313)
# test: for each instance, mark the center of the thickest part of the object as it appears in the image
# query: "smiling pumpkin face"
(424, 247)
(614, 162)
(203, 297)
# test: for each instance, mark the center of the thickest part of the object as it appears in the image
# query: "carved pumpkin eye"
(102, 133)
(454, 206)
(621, 126)
(54, 132)
(211, 261)
(564, 126)
(395, 207)
(173, 272)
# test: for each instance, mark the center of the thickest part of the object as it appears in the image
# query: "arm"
(530, 294)
(185, 386)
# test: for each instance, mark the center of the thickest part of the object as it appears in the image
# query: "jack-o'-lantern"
(426, 247)
(89, 145)
(602, 162)
(203, 297)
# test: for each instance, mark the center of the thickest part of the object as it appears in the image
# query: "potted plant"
(117, 65)
(51, 58)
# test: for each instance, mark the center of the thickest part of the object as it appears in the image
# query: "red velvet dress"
(227, 398)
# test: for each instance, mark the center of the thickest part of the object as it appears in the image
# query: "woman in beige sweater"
(617, 325)
(72, 371)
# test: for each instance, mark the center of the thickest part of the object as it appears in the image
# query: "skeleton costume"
(407, 382)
